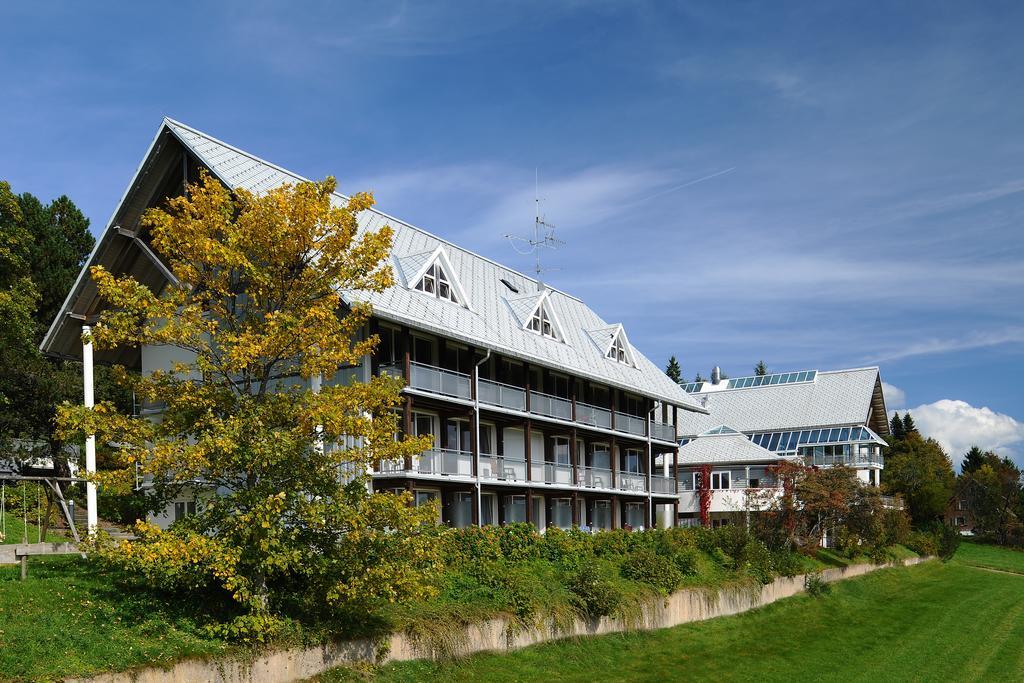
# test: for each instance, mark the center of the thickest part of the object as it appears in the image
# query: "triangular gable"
(522, 307)
(720, 429)
(606, 337)
(440, 257)
(543, 304)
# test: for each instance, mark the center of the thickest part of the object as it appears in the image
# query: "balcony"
(594, 477)
(662, 431)
(660, 484)
(445, 462)
(448, 383)
(502, 395)
(847, 459)
(633, 481)
(550, 406)
(498, 468)
(551, 473)
(593, 415)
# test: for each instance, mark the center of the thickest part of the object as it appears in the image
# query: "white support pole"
(92, 518)
(314, 384)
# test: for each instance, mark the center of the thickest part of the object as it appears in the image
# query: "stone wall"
(492, 635)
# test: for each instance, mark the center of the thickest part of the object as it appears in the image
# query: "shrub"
(594, 592)
(722, 559)
(786, 563)
(687, 561)
(518, 542)
(922, 543)
(648, 567)
(614, 543)
(816, 586)
(569, 547)
(756, 560)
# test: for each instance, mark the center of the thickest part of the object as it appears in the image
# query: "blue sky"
(817, 184)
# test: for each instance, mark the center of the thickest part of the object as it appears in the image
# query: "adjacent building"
(540, 410)
(823, 419)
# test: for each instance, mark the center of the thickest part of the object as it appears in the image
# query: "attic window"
(541, 323)
(509, 285)
(617, 352)
(435, 281)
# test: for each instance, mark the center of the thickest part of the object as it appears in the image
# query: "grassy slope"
(67, 620)
(931, 622)
(991, 557)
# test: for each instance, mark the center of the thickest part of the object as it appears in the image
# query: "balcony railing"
(593, 415)
(630, 424)
(502, 395)
(848, 459)
(550, 406)
(662, 431)
(435, 380)
(444, 461)
(631, 481)
(551, 473)
(499, 468)
(661, 484)
(594, 477)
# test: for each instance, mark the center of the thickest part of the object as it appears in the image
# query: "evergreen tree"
(699, 378)
(908, 424)
(896, 426)
(673, 370)
(760, 370)
(973, 460)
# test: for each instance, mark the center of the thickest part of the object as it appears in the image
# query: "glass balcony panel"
(593, 415)
(629, 481)
(550, 406)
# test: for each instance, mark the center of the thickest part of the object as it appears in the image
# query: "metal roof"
(833, 398)
(490, 319)
(724, 448)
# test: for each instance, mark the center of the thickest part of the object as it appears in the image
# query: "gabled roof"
(494, 321)
(730, 447)
(834, 398)
(422, 263)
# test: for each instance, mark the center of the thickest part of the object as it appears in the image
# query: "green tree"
(258, 298)
(673, 370)
(761, 369)
(699, 378)
(60, 244)
(973, 459)
(908, 424)
(995, 496)
(896, 426)
(920, 471)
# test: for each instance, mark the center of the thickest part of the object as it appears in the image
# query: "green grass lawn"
(67, 619)
(15, 529)
(934, 621)
(991, 557)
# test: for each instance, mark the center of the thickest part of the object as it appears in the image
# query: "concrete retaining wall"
(493, 635)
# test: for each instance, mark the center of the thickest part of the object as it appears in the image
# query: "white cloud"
(895, 398)
(958, 425)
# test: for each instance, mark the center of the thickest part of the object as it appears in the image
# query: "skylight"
(721, 429)
(777, 378)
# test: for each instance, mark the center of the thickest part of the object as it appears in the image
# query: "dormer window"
(434, 281)
(433, 275)
(541, 323)
(617, 352)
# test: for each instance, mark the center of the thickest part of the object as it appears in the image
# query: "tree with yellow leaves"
(284, 516)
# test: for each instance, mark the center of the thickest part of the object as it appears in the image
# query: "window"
(435, 281)
(754, 483)
(422, 424)
(184, 509)
(716, 523)
(515, 509)
(541, 322)
(617, 352)
(560, 448)
(719, 480)
(424, 497)
(631, 461)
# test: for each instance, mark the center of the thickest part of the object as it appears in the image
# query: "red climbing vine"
(704, 492)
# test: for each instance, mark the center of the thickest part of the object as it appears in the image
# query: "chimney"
(716, 375)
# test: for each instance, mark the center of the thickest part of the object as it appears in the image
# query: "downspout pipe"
(476, 429)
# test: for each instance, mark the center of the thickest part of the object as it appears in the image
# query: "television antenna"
(543, 234)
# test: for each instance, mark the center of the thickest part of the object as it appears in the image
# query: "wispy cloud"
(975, 340)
